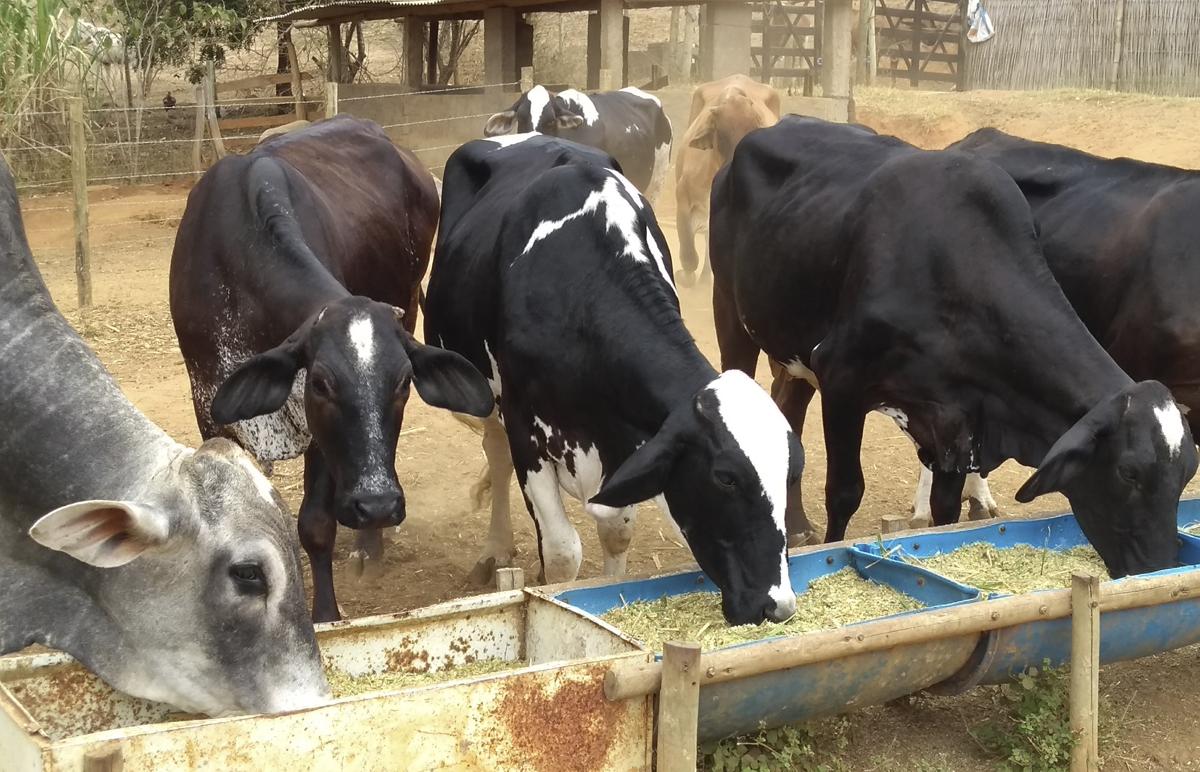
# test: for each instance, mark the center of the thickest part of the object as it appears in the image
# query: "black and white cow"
(551, 275)
(170, 572)
(941, 313)
(1121, 237)
(630, 125)
(294, 287)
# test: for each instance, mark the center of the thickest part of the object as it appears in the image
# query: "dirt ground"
(428, 558)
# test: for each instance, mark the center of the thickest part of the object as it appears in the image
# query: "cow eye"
(403, 388)
(725, 479)
(322, 386)
(1128, 474)
(248, 578)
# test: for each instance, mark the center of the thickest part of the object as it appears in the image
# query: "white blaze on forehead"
(587, 108)
(761, 433)
(261, 483)
(362, 340)
(620, 215)
(507, 140)
(539, 99)
(1170, 421)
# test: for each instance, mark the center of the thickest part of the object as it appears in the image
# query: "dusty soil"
(429, 557)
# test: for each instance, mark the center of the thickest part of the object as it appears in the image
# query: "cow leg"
(706, 274)
(793, 397)
(500, 549)
(979, 497)
(844, 484)
(318, 532)
(922, 517)
(616, 531)
(689, 258)
(738, 350)
(945, 497)
(367, 557)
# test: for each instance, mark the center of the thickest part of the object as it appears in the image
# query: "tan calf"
(723, 112)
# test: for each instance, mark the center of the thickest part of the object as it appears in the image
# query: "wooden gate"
(920, 41)
(786, 42)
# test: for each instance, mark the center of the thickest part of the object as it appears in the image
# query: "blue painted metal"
(823, 688)
(1189, 514)
(1006, 652)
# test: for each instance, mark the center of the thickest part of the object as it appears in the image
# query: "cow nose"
(378, 510)
(782, 606)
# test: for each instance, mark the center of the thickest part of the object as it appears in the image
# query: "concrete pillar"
(725, 39)
(414, 51)
(835, 48)
(500, 46)
(612, 41)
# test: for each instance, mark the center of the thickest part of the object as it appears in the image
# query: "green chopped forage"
(345, 685)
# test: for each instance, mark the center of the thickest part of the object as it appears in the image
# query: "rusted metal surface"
(551, 715)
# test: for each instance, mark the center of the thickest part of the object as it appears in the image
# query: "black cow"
(172, 573)
(294, 284)
(630, 125)
(551, 275)
(912, 283)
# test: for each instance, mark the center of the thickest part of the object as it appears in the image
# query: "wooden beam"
(258, 81)
(297, 81)
(1085, 672)
(678, 708)
(431, 53)
(83, 257)
(255, 122)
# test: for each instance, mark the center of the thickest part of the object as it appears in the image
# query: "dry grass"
(1014, 570)
(344, 685)
(832, 601)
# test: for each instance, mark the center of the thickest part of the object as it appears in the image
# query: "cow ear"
(445, 379)
(707, 128)
(500, 123)
(1071, 453)
(644, 474)
(568, 121)
(263, 383)
(105, 534)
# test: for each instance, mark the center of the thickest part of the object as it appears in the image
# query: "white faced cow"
(630, 125)
(552, 277)
(172, 573)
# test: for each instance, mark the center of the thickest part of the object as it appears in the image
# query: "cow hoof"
(979, 511)
(801, 539)
(685, 279)
(364, 567)
(483, 573)
(921, 521)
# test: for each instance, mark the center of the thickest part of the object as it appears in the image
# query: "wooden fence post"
(893, 523)
(1114, 73)
(297, 81)
(678, 708)
(210, 108)
(1085, 671)
(198, 147)
(866, 42)
(331, 98)
(79, 182)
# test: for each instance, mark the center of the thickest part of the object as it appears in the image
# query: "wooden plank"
(210, 109)
(255, 122)
(679, 708)
(1085, 672)
(301, 109)
(939, 624)
(941, 77)
(269, 100)
(258, 81)
(197, 148)
(908, 14)
(83, 258)
(781, 54)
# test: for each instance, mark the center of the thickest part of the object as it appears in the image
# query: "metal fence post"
(83, 260)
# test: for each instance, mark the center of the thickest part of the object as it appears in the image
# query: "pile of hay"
(344, 685)
(1193, 529)
(832, 601)
(1014, 570)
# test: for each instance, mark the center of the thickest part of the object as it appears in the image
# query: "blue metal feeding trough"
(1189, 515)
(1124, 634)
(818, 689)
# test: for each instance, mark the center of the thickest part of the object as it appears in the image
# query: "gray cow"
(170, 572)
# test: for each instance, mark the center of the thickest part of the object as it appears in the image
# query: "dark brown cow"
(294, 289)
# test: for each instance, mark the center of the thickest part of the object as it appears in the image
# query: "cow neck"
(656, 380)
(303, 285)
(70, 433)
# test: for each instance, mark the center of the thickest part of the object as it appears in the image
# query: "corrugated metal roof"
(349, 7)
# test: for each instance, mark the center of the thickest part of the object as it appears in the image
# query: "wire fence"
(139, 163)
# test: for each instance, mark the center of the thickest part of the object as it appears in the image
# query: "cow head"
(1123, 467)
(724, 461)
(360, 364)
(723, 125)
(200, 588)
(537, 110)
